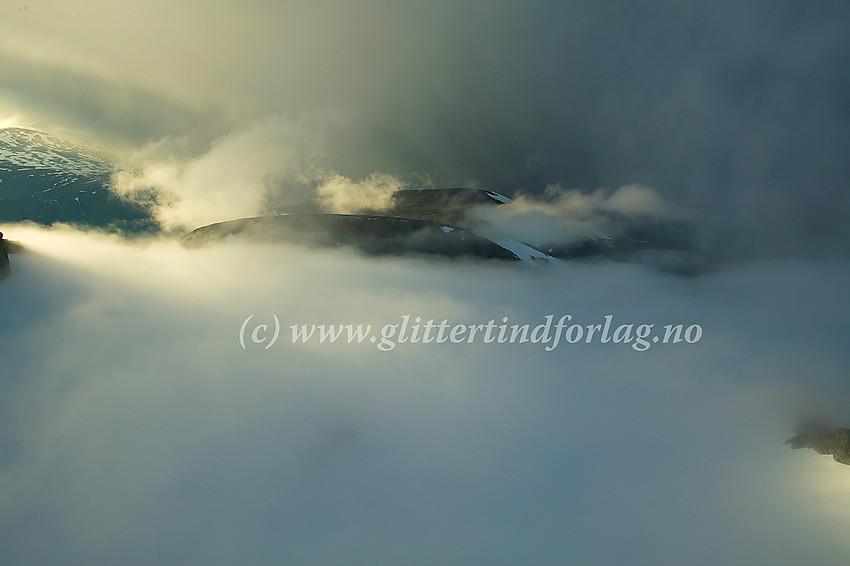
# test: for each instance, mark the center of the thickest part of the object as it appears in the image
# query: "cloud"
(137, 430)
(733, 108)
(240, 173)
(80, 104)
(640, 201)
(246, 172)
(337, 193)
(567, 216)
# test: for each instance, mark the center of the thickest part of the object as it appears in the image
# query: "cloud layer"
(137, 430)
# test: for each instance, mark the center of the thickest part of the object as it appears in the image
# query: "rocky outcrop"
(5, 267)
(824, 440)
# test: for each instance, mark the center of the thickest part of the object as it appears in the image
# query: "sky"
(135, 428)
(738, 109)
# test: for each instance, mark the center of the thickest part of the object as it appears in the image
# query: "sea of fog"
(135, 428)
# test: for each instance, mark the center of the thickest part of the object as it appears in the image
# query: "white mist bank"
(136, 430)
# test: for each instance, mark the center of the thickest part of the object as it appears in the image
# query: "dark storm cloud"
(737, 108)
(118, 113)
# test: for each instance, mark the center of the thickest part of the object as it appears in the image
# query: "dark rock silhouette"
(824, 440)
(372, 235)
(5, 266)
(666, 245)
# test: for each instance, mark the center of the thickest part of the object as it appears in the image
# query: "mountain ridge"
(35, 149)
(46, 179)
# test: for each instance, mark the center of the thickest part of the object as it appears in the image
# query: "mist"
(137, 429)
(561, 216)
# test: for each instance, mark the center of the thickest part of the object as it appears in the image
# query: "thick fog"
(137, 430)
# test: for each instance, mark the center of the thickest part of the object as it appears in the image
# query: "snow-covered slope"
(46, 179)
(31, 149)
